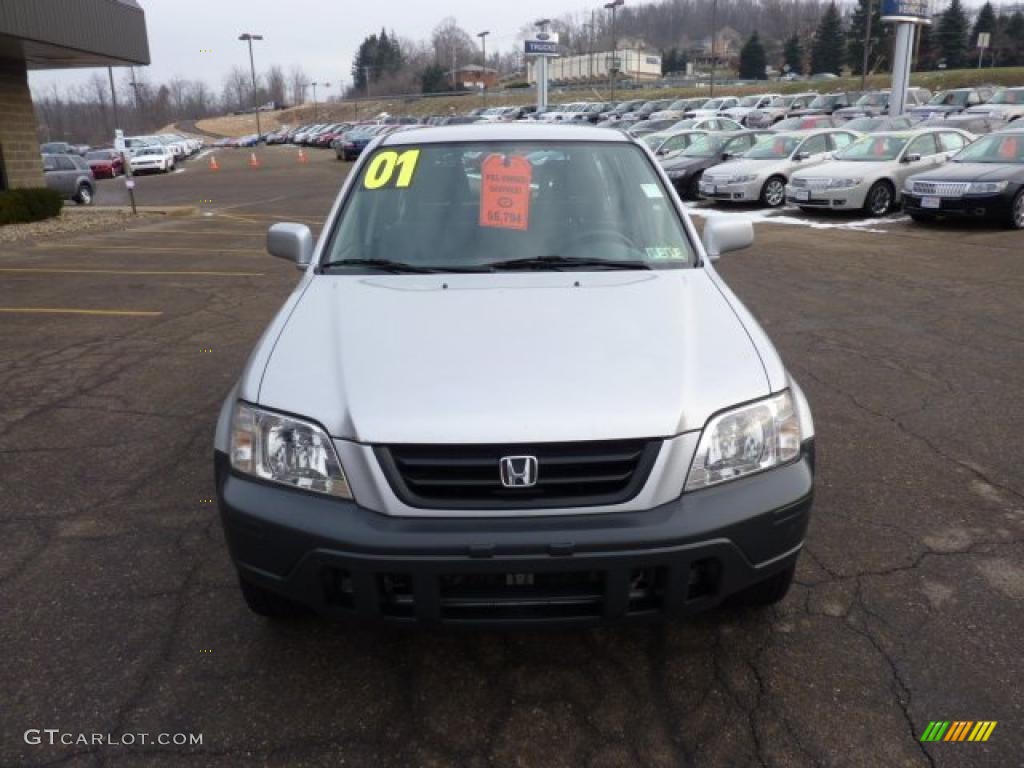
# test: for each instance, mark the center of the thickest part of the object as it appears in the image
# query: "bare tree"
(277, 85)
(297, 81)
(237, 86)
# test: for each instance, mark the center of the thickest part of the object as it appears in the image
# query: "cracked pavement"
(120, 611)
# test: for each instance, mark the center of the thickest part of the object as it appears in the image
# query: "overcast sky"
(319, 35)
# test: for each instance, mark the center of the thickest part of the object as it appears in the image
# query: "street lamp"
(483, 72)
(248, 37)
(714, 24)
(315, 84)
(613, 69)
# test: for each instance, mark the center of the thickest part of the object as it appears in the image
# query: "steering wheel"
(600, 235)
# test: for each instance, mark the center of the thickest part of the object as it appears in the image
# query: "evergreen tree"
(433, 79)
(986, 22)
(753, 59)
(793, 54)
(1014, 36)
(673, 60)
(880, 45)
(925, 49)
(829, 43)
(951, 35)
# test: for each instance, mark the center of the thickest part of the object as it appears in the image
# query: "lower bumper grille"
(470, 476)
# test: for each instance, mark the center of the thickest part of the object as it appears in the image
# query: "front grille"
(817, 185)
(941, 188)
(469, 476)
(529, 593)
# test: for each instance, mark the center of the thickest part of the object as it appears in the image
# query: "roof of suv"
(504, 132)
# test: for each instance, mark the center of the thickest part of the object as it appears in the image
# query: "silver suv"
(510, 387)
(71, 176)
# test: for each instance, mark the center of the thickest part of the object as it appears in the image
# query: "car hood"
(752, 167)
(938, 109)
(840, 170)
(999, 110)
(973, 172)
(512, 357)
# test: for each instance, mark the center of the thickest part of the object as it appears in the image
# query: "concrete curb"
(174, 211)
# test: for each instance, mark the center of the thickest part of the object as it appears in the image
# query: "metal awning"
(59, 34)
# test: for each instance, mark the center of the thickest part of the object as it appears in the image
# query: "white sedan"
(761, 173)
(869, 173)
(155, 158)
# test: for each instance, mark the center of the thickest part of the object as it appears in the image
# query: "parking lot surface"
(121, 613)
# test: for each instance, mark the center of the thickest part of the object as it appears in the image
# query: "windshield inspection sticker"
(653, 191)
(665, 254)
(505, 192)
(381, 171)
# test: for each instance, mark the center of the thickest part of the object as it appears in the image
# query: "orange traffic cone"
(302, 156)
(214, 165)
(254, 161)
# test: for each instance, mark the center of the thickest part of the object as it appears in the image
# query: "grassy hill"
(239, 125)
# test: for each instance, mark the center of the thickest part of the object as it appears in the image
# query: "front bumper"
(846, 199)
(745, 192)
(997, 206)
(344, 560)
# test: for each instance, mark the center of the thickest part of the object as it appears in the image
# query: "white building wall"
(634, 64)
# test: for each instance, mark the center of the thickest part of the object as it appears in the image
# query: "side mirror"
(291, 242)
(725, 235)
(801, 156)
(911, 158)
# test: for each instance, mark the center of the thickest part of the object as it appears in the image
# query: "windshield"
(864, 124)
(748, 101)
(782, 101)
(713, 104)
(472, 205)
(104, 155)
(705, 146)
(949, 99)
(1009, 96)
(683, 124)
(994, 148)
(823, 102)
(150, 151)
(874, 149)
(653, 140)
(873, 100)
(773, 148)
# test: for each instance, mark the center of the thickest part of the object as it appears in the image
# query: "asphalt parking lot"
(121, 612)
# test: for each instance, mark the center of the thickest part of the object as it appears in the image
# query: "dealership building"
(55, 34)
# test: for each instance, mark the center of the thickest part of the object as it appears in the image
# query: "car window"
(739, 145)
(49, 163)
(475, 204)
(815, 145)
(676, 142)
(951, 142)
(994, 148)
(726, 124)
(80, 163)
(65, 163)
(923, 146)
(841, 140)
(775, 147)
(877, 148)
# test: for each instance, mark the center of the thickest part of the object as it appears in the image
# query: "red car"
(105, 163)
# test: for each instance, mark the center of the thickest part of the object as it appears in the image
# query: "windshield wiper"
(565, 262)
(395, 267)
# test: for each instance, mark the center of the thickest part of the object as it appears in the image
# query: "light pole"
(315, 102)
(714, 25)
(867, 45)
(613, 69)
(248, 37)
(483, 71)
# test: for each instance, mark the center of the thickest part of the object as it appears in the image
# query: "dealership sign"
(913, 11)
(545, 44)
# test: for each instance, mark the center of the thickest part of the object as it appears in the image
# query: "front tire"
(1017, 211)
(768, 592)
(84, 195)
(269, 604)
(773, 193)
(880, 199)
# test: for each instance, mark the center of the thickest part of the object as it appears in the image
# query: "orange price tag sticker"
(505, 192)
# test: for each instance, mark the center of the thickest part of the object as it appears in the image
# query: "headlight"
(986, 187)
(842, 183)
(741, 179)
(285, 450)
(748, 439)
